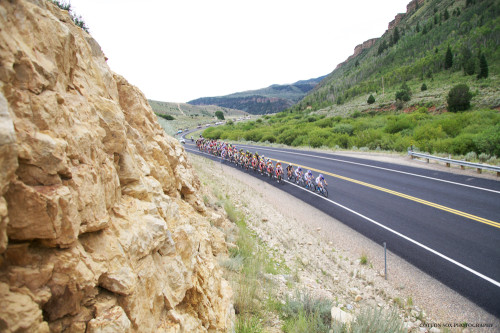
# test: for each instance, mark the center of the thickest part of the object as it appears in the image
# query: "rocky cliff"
(101, 226)
(358, 49)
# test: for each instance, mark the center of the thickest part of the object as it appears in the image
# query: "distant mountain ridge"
(272, 99)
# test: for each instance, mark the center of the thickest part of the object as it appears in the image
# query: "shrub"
(404, 94)
(254, 135)
(470, 156)
(448, 59)
(488, 141)
(343, 129)
(304, 313)
(269, 137)
(376, 320)
(165, 116)
(483, 67)
(483, 157)
(399, 124)
(363, 260)
(423, 87)
(371, 99)
(77, 19)
(459, 98)
(219, 115)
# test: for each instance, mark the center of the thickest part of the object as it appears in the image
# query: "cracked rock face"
(101, 225)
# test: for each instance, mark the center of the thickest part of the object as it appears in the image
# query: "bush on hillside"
(219, 115)
(459, 98)
(165, 116)
(77, 19)
(483, 67)
(404, 94)
(371, 99)
(423, 87)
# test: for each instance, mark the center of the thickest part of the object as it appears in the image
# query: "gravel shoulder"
(324, 254)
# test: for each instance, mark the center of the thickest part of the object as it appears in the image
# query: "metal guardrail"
(463, 164)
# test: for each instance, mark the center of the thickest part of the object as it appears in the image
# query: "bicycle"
(278, 175)
(323, 190)
(300, 181)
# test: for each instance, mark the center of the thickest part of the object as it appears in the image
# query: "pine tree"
(483, 67)
(417, 29)
(448, 60)
(371, 99)
(395, 35)
(468, 63)
(446, 14)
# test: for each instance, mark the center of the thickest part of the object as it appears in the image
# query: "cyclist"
(270, 167)
(320, 181)
(308, 178)
(289, 171)
(298, 173)
(279, 169)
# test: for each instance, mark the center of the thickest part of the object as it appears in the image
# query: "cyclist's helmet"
(321, 176)
(299, 168)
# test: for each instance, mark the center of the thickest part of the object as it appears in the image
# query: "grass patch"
(304, 313)
(372, 320)
(248, 324)
(399, 302)
(363, 260)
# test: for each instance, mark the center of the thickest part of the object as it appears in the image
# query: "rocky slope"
(101, 226)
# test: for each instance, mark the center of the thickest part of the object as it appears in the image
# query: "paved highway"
(447, 225)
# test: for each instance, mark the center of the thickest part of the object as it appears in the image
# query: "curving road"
(447, 225)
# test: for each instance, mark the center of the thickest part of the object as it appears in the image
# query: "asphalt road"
(445, 224)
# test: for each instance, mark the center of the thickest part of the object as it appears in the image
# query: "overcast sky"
(179, 50)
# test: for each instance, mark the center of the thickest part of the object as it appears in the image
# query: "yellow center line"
(402, 195)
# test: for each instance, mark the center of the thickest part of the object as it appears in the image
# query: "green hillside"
(409, 61)
(415, 52)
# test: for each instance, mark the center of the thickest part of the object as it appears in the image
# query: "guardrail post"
(385, 261)
(479, 170)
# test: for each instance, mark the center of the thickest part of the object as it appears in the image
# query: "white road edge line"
(381, 168)
(496, 283)
(484, 277)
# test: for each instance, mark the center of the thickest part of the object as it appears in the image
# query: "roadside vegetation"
(472, 135)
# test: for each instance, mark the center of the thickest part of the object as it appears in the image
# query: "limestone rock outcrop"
(101, 226)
